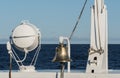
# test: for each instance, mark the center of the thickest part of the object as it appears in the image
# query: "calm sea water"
(79, 55)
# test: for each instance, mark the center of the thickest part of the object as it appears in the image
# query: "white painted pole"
(62, 39)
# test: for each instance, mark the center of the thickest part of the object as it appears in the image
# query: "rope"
(37, 55)
(92, 51)
(16, 58)
(78, 20)
(98, 25)
(33, 62)
(98, 44)
(14, 55)
(95, 28)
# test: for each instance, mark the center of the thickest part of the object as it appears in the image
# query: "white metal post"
(61, 40)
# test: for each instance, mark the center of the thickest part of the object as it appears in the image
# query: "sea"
(79, 56)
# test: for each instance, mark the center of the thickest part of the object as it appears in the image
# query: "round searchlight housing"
(26, 36)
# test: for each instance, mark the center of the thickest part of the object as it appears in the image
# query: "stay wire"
(78, 20)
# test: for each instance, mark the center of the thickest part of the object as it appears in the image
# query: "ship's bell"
(61, 54)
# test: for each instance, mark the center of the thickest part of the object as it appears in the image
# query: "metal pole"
(10, 67)
(69, 53)
(62, 69)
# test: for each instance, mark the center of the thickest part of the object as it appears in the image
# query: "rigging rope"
(15, 56)
(33, 62)
(98, 25)
(78, 20)
(96, 43)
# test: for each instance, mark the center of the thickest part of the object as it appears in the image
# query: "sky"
(56, 18)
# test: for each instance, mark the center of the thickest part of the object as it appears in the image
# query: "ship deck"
(56, 74)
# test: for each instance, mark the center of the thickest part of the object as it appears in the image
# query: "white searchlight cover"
(25, 37)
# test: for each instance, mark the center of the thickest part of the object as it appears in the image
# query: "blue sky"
(55, 18)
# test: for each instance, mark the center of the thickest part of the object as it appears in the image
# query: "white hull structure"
(54, 75)
(97, 64)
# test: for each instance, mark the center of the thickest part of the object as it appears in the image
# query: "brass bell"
(61, 54)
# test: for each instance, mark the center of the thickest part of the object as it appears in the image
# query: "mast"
(98, 52)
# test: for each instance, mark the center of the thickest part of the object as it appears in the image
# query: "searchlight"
(26, 37)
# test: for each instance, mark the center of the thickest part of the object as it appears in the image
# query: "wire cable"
(76, 24)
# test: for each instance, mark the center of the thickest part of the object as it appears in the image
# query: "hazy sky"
(55, 18)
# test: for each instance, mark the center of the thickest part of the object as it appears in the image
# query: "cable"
(78, 20)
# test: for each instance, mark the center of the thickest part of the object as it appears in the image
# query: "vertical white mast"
(98, 53)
